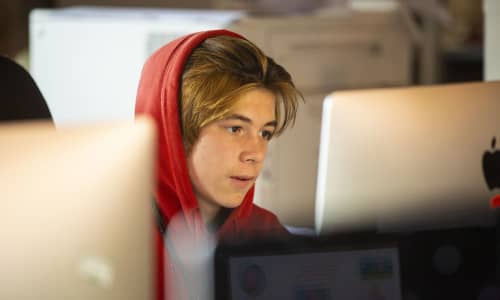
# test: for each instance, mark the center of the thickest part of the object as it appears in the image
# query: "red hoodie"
(158, 96)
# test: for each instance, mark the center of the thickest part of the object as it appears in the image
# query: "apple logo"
(491, 166)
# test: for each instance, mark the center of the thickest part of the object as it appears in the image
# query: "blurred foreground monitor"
(76, 219)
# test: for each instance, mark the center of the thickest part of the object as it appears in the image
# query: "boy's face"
(228, 155)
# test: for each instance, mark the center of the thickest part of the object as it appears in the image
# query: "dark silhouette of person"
(20, 97)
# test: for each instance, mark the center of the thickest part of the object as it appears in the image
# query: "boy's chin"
(234, 202)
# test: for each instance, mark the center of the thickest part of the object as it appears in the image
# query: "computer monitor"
(409, 158)
(75, 211)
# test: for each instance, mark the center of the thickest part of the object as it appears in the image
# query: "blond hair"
(219, 72)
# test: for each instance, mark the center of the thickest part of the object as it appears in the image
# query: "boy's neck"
(208, 211)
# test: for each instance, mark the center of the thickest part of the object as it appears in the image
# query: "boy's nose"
(254, 151)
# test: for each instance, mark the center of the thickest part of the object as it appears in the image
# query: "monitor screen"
(343, 274)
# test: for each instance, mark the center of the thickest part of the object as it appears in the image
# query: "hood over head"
(158, 96)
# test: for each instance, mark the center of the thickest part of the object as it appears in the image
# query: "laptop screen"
(335, 271)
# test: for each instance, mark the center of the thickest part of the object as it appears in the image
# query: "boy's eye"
(234, 129)
(267, 135)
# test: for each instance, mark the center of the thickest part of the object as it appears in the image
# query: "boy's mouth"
(242, 182)
(243, 178)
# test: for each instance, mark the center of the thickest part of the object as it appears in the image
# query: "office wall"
(14, 24)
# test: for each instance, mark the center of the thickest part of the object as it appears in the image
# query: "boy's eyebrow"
(272, 123)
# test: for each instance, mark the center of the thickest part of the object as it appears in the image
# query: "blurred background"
(87, 55)
(459, 35)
